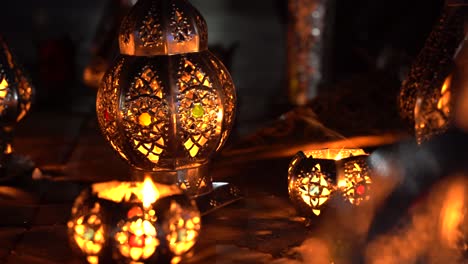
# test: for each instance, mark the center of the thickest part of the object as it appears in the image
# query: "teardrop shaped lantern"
(168, 104)
(16, 94)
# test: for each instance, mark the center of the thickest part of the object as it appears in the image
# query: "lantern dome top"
(163, 27)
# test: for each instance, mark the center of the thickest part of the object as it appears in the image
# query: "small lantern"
(16, 94)
(133, 222)
(168, 104)
(316, 177)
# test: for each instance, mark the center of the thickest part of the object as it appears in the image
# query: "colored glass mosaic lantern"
(167, 105)
(133, 222)
(319, 176)
(16, 96)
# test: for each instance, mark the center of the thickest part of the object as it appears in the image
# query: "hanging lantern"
(316, 177)
(168, 104)
(16, 95)
(133, 222)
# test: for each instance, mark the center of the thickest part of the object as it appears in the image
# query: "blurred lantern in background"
(168, 104)
(318, 176)
(426, 96)
(133, 222)
(308, 45)
(16, 95)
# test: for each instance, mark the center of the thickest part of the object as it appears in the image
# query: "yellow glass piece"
(198, 111)
(145, 119)
(92, 260)
(3, 88)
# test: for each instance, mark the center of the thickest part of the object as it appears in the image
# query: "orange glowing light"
(145, 119)
(444, 101)
(3, 88)
(150, 193)
(453, 213)
(334, 154)
(146, 192)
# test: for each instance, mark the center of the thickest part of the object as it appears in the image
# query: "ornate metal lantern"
(133, 222)
(168, 104)
(317, 177)
(16, 95)
(426, 95)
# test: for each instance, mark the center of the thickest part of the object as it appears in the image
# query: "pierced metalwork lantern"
(319, 176)
(16, 95)
(133, 222)
(168, 104)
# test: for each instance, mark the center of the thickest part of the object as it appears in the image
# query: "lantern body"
(16, 95)
(318, 177)
(426, 95)
(113, 223)
(168, 104)
(16, 91)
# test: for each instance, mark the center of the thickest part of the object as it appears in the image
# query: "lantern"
(316, 177)
(16, 94)
(167, 105)
(426, 95)
(133, 222)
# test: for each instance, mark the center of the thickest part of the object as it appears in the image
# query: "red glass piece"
(137, 241)
(107, 116)
(361, 190)
(135, 211)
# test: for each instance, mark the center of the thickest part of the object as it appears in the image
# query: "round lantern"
(133, 222)
(16, 94)
(319, 176)
(167, 105)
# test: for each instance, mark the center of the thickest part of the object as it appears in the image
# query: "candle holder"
(168, 105)
(318, 177)
(16, 95)
(133, 222)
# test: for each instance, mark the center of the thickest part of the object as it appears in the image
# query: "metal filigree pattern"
(202, 29)
(155, 27)
(16, 91)
(184, 227)
(133, 222)
(125, 31)
(433, 64)
(25, 93)
(199, 109)
(357, 182)
(150, 32)
(230, 99)
(146, 115)
(106, 107)
(180, 26)
(315, 180)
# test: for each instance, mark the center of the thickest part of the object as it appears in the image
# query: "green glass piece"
(198, 111)
(89, 233)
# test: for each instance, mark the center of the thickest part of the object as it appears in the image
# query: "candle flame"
(150, 193)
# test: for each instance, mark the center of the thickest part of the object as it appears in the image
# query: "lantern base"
(195, 181)
(197, 184)
(223, 194)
